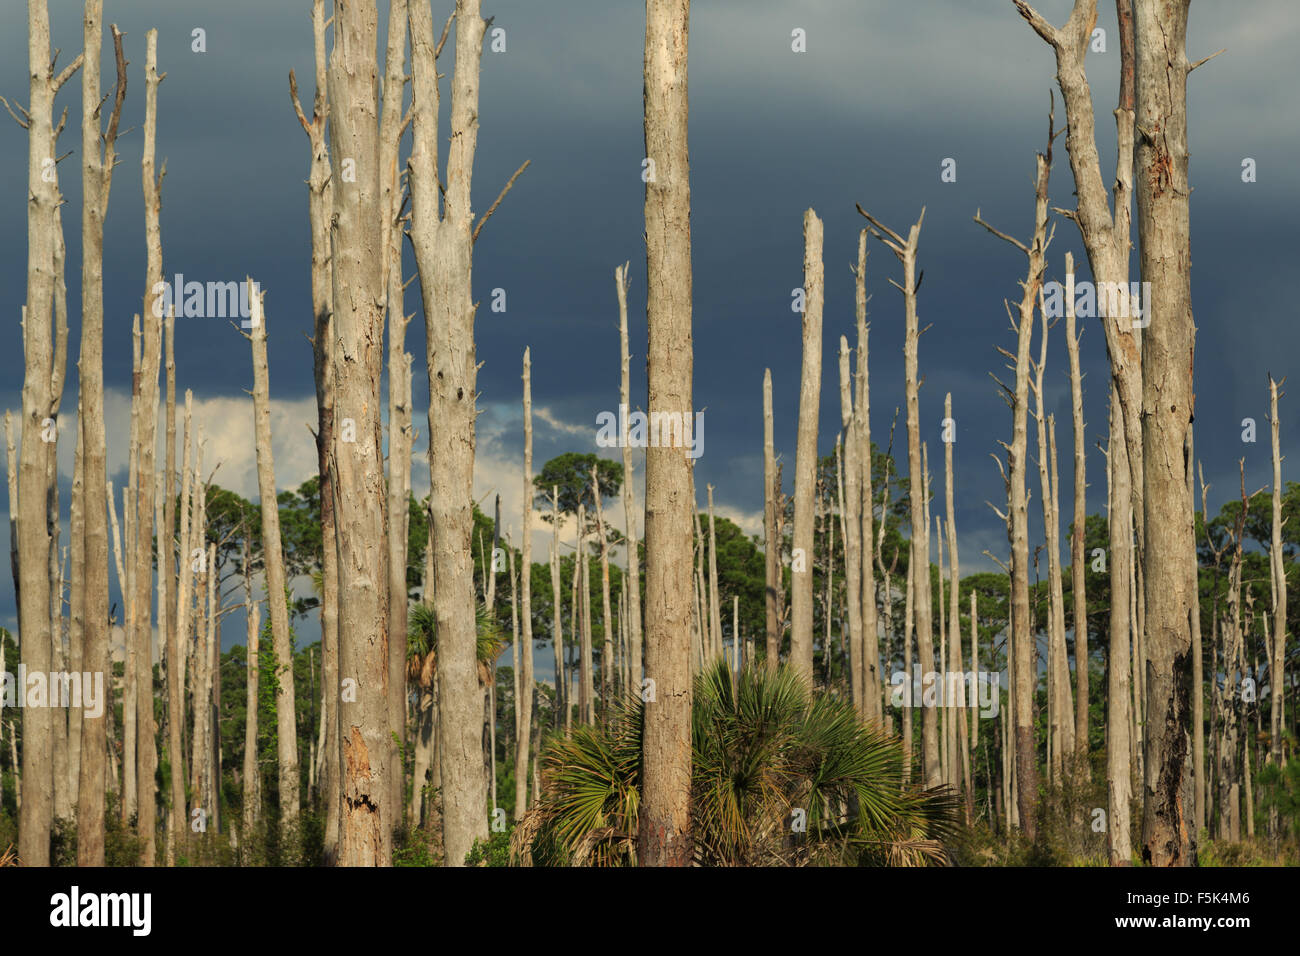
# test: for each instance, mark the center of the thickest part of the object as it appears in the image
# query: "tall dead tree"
(1168, 403)
(442, 233)
(1106, 239)
(1078, 586)
(1277, 564)
(361, 254)
(557, 616)
(252, 795)
(870, 663)
(524, 702)
(98, 157)
(954, 688)
(147, 392)
(629, 489)
(664, 837)
(320, 203)
(276, 583)
(853, 551)
(1021, 628)
(42, 383)
(771, 539)
(905, 250)
(805, 474)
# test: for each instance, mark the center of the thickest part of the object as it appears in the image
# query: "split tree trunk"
(629, 491)
(443, 242)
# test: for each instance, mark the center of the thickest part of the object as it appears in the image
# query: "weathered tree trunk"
(42, 386)
(805, 476)
(98, 157)
(870, 663)
(1078, 557)
(1061, 714)
(443, 240)
(955, 690)
(853, 552)
(557, 615)
(607, 651)
(629, 491)
(905, 250)
(146, 747)
(524, 702)
(771, 540)
(252, 776)
(361, 219)
(1025, 675)
(276, 584)
(1168, 348)
(909, 616)
(320, 203)
(664, 837)
(1277, 664)
(715, 600)
(1119, 736)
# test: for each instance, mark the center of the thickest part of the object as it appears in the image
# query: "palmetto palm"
(780, 776)
(421, 645)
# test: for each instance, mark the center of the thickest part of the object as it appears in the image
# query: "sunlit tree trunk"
(524, 702)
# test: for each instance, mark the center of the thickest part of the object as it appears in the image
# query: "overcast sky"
(884, 93)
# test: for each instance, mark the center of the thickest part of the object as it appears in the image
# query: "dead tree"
(320, 202)
(276, 583)
(805, 474)
(664, 836)
(1078, 586)
(524, 701)
(1276, 671)
(629, 491)
(774, 587)
(99, 151)
(44, 350)
(1024, 679)
(1168, 403)
(905, 250)
(853, 551)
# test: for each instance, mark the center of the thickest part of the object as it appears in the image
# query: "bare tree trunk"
(1025, 676)
(772, 543)
(362, 221)
(252, 776)
(805, 476)
(42, 386)
(524, 702)
(1078, 557)
(862, 693)
(557, 615)
(664, 837)
(629, 491)
(178, 642)
(443, 241)
(581, 594)
(871, 682)
(320, 203)
(957, 691)
(1167, 358)
(905, 250)
(276, 583)
(1277, 665)
(98, 157)
(146, 747)
(607, 652)
(1119, 737)
(909, 616)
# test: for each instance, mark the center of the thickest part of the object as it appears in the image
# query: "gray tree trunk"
(1168, 348)
(629, 491)
(98, 157)
(524, 702)
(664, 837)
(805, 476)
(772, 544)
